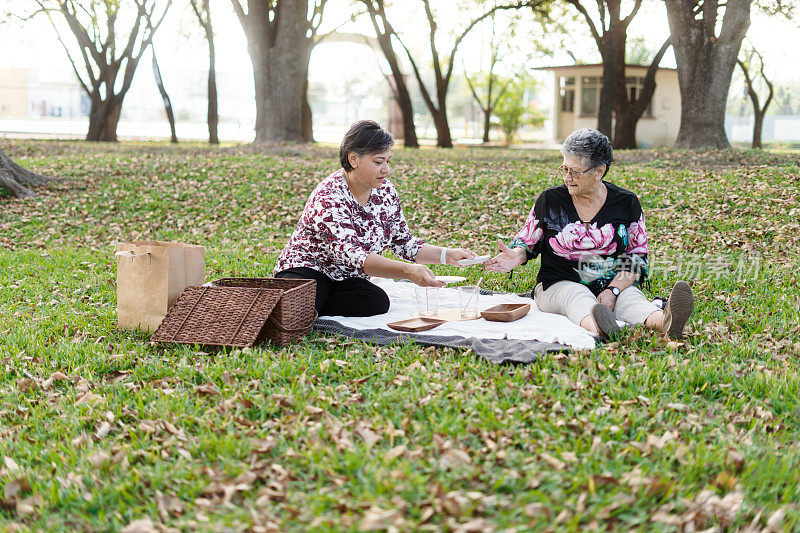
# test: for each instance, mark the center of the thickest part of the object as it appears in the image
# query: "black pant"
(349, 297)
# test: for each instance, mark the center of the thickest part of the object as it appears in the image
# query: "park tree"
(629, 106)
(491, 88)
(17, 180)
(165, 99)
(787, 100)
(111, 36)
(748, 64)
(376, 9)
(488, 85)
(512, 111)
(706, 49)
(610, 33)
(202, 10)
(280, 36)
(436, 98)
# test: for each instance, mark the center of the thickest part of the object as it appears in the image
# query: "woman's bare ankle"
(655, 320)
(588, 323)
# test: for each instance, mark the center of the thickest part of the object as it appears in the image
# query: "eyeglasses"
(573, 173)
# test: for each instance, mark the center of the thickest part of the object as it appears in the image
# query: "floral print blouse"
(589, 252)
(335, 233)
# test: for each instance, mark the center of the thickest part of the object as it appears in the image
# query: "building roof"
(565, 67)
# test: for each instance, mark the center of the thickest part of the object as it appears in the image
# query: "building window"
(633, 88)
(567, 90)
(590, 94)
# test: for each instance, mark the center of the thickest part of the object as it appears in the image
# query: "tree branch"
(627, 20)
(437, 67)
(506, 7)
(582, 10)
(425, 95)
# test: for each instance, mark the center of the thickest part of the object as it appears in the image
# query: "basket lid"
(218, 316)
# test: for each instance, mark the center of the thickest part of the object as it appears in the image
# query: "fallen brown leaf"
(552, 461)
(454, 458)
(206, 390)
(144, 525)
(15, 487)
(25, 385)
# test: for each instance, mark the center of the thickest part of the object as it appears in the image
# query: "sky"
(181, 48)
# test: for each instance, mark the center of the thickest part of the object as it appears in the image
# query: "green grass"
(336, 435)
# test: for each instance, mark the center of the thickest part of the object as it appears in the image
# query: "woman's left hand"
(608, 299)
(454, 255)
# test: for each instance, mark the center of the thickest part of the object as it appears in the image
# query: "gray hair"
(591, 146)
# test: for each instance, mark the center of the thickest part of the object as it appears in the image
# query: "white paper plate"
(451, 279)
(477, 261)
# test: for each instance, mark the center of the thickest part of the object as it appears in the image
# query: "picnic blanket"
(522, 341)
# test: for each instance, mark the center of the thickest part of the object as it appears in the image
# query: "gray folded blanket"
(496, 351)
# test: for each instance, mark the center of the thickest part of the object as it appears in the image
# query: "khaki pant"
(575, 301)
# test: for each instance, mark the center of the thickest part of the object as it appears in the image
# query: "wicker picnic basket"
(294, 314)
(217, 316)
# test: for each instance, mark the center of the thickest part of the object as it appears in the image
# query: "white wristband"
(443, 256)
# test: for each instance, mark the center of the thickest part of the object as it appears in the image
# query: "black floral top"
(590, 252)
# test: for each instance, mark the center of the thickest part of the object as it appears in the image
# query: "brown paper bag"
(150, 277)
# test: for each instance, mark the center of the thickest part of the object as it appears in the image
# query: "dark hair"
(591, 146)
(364, 137)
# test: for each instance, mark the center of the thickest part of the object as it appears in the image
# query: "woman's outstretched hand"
(423, 276)
(454, 255)
(507, 260)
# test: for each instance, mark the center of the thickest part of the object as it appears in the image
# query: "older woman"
(592, 239)
(351, 217)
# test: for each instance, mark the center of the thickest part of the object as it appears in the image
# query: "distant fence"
(62, 111)
(777, 128)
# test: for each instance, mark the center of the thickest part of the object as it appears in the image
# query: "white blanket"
(545, 327)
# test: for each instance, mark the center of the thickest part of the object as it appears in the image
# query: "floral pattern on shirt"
(637, 237)
(577, 239)
(529, 235)
(335, 233)
(571, 250)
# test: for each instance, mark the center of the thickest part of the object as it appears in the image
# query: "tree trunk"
(758, 126)
(400, 89)
(213, 116)
(308, 118)
(629, 112)
(17, 180)
(705, 65)
(103, 119)
(280, 54)
(608, 91)
(625, 132)
(704, 87)
(164, 98)
(612, 50)
(758, 111)
(487, 123)
(404, 102)
(443, 137)
(202, 10)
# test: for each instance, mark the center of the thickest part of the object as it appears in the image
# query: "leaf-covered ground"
(101, 431)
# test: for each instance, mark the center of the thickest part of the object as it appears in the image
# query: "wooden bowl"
(413, 325)
(506, 312)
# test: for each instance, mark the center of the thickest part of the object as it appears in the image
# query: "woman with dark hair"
(592, 239)
(351, 217)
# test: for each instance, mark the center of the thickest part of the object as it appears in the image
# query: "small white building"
(577, 97)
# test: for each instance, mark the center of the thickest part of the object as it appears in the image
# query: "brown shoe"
(606, 323)
(678, 309)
